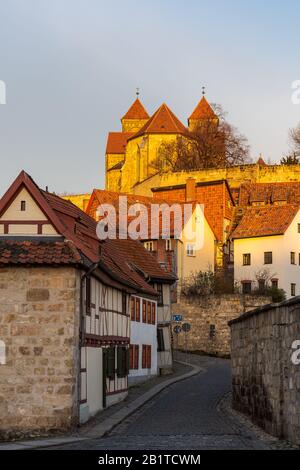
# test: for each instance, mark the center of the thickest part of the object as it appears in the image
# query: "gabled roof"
(265, 221)
(136, 111)
(163, 121)
(79, 243)
(203, 110)
(261, 162)
(117, 141)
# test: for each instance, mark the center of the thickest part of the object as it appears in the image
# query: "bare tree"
(212, 143)
(294, 138)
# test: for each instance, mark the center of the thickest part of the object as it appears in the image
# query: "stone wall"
(39, 323)
(266, 382)
(209, 316)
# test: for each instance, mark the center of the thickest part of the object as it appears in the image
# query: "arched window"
(2, 353)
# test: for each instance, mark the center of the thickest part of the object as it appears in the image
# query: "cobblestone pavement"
(187, 415)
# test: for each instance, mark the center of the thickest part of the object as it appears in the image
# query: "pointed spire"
(136, 110)
(203, 110)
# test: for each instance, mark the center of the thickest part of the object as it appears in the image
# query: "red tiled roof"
(163, 121)
(203, 110)
(117, 141)
(111, 197)
(265, 221)
(78, 230)
(261, 162)
(269, 193)
(134, 254)
(136, 111)
(28, 252)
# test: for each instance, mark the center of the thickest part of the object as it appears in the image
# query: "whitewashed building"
(267, 249)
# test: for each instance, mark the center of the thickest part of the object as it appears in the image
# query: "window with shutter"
(149, 313)
(137, 309)
(132, 308)
(153, 313)
(144, 312)
(144, 356)
(160, 300)
(111, 365)
(149, 357)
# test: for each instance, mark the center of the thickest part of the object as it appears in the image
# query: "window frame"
(246, 256)
(268, 255)
(293, 257)
(293, 289)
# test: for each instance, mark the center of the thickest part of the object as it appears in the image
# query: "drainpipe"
(82, 330)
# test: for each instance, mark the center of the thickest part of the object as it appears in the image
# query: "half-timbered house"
(64, 313)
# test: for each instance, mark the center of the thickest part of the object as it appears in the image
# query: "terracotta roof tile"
(117, 141)
(203, 110)
(136, 111)
(265, 221)
(49, 253)
(163, 121)
(269, 193)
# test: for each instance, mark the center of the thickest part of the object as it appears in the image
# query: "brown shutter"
(132, 308)
(144, 358)
(149, 313)
(137, 309)
(144, 312)
(149, 357)
(153, 313)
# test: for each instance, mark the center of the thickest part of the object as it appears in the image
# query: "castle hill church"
(130, 154)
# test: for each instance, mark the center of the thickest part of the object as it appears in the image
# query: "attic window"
(23, 205)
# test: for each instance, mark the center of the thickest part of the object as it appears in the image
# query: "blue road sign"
(177, 317)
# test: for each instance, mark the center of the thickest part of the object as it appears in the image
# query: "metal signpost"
(186, 327)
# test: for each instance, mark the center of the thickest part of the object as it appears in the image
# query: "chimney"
(190, 189)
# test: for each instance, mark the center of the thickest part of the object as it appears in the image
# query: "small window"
(274, 283)
(132, 309)
(149, 313)
(293, 289)
(169, 245)
(190, 250)
(160, 300)
(146, 356)
(268, 257)
(246, 287)
(134, 356)
(149, 246)
(298, 228)
(293, 257)
(246, 259)
(212, 331)
(23, 205)
(153, 313)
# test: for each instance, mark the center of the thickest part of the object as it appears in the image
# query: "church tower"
(202, 113)
(135, 118)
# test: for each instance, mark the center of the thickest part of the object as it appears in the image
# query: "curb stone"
(101, 429)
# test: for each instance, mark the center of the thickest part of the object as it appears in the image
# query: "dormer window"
(23, 205)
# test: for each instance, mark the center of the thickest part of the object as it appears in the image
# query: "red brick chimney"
(190, 189)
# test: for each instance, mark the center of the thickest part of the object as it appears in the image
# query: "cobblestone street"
(192, 414)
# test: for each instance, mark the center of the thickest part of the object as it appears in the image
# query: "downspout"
(82, 331)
